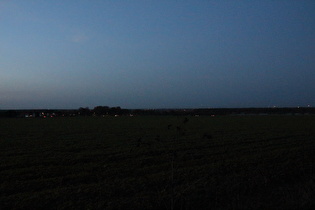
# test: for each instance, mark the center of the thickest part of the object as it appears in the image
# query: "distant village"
(102, 111)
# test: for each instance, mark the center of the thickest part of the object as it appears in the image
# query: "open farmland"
(160, 162)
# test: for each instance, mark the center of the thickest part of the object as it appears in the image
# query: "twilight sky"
(157, 54)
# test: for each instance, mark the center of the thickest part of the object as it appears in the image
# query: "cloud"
(7, 6)
(3, 3)
(79, 38)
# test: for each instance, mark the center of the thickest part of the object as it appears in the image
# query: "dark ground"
(166, 162)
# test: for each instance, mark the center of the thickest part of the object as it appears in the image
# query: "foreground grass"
(231, 162)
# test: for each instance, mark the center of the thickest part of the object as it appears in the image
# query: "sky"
(157, 54)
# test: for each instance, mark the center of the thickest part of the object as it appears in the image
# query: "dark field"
(230, 162)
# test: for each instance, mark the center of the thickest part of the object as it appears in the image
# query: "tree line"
(118, 111)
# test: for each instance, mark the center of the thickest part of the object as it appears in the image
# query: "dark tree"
(100, 110)
(84, 111)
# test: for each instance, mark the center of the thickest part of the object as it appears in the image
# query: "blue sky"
(156, 54)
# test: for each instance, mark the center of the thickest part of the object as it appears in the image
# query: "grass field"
(165, 162)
